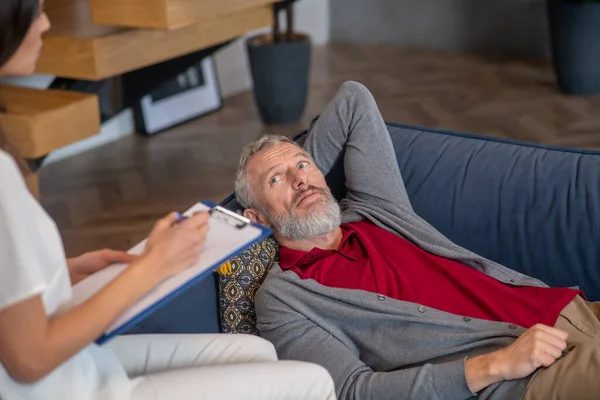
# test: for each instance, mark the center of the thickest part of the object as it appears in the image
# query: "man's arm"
(298, 338)
(352, 127)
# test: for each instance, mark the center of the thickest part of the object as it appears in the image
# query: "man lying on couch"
(391, 307)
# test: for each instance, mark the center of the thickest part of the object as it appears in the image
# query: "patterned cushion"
(239, 279)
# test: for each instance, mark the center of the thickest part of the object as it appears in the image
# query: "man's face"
(291, 192)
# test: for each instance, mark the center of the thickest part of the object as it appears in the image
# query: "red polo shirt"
(375, 260)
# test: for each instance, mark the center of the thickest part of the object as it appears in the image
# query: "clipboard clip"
(233, 219)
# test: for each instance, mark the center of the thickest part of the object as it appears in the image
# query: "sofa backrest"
(533, 208)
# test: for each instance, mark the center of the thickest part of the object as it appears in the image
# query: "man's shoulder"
(276, 296)
(281, 286)
(272, 283)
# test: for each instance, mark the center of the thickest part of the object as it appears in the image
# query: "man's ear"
(256, 216)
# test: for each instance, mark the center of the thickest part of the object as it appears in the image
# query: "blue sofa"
(533, 208)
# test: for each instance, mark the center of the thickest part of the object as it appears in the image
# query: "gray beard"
(315, 223)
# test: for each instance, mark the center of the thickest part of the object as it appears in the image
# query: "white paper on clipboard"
(223, 240)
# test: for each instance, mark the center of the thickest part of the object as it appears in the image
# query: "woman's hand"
(88, 263)
(174, 245)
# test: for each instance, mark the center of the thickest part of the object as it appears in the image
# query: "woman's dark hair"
(16, 17)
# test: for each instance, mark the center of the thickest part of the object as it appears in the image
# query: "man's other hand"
(539, 346)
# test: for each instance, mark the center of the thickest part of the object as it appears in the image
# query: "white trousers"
(220, 366)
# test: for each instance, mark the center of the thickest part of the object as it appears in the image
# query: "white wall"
(33, 81)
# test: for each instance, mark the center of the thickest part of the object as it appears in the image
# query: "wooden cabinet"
(166, 14)
(40, 121)
(77, 48)
(97, 39)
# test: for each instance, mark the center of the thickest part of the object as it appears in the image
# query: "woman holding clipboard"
(49, 353)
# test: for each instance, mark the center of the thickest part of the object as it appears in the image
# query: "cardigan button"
(422, 309)
(381, 298)
(512, 326)
(466, 319)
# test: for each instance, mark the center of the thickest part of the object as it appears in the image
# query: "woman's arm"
(32, 345)
(89, 263)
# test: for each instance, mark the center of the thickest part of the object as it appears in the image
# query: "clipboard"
(229, 235)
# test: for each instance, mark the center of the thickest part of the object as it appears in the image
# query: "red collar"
(289, 258)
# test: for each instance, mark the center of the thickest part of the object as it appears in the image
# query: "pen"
(180, 218)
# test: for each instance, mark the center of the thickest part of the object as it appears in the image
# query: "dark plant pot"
(280, 74)
(575, 34)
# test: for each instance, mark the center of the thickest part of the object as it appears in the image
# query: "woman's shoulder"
(7, 163)
(4, 157)
(11, 179)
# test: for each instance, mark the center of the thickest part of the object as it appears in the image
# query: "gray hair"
(243, 191)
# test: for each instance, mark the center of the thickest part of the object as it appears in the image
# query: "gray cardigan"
(376, 347)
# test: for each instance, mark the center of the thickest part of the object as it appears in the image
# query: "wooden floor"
(110, 196)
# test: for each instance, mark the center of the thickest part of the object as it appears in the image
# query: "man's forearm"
(482, 371)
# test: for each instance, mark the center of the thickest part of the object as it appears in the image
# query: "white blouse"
(32, 262)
